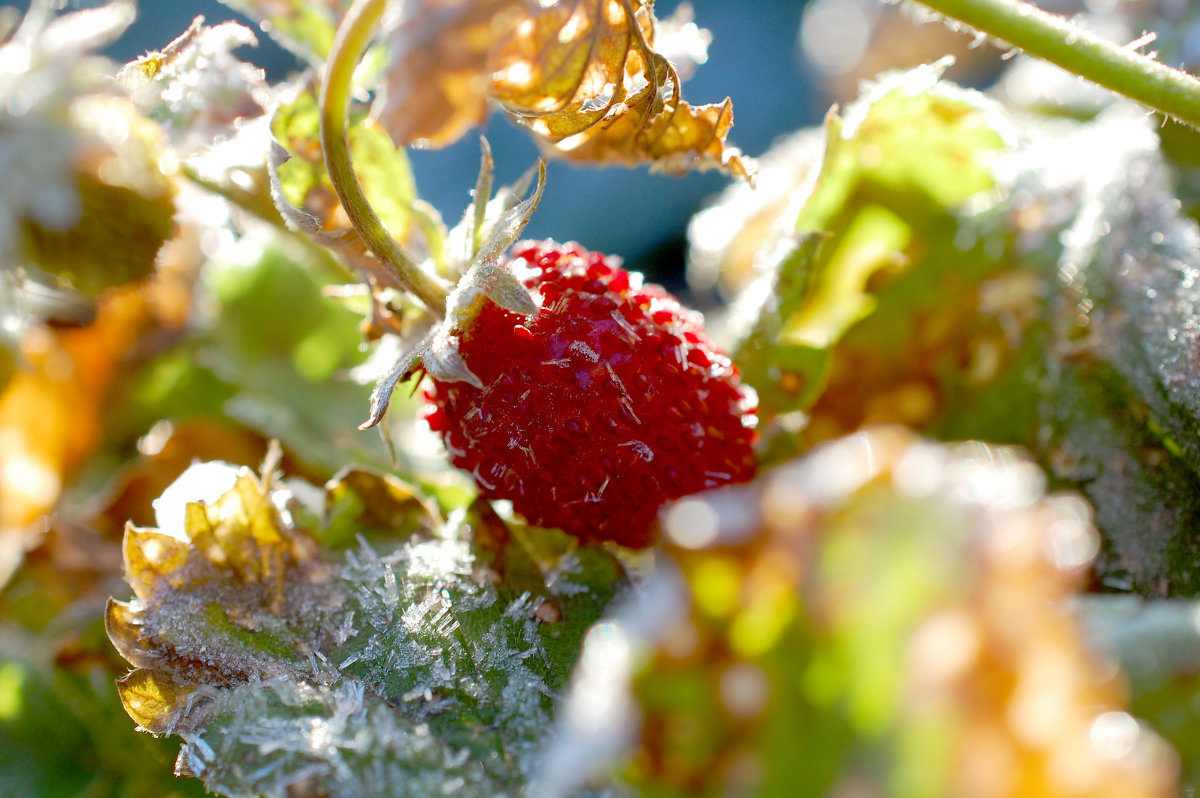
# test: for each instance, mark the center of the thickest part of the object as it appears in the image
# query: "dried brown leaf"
(680, 139)
(437, 81)
(583, 76)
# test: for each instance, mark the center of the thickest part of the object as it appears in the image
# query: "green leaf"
(42, 751)
(1146, 498)
(274, 358)
(304, 27)
(899, 300)
(381, 167)
(568, 584)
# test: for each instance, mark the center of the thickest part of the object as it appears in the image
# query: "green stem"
(352, 38)
(1055, 39)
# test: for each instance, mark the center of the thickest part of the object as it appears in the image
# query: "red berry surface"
(608, 402)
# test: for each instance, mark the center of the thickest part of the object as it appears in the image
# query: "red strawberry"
(593, 412)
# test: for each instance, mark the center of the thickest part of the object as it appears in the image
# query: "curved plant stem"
(351, 41)
(1055, 39)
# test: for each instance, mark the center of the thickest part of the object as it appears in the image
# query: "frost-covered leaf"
(582, 75)
(1058, 314)
(407, 663)
(236, 594)
(1122, 404)
(568, 585)
(892, 608)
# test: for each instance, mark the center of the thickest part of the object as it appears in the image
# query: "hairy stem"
(1055, 39)
(351, 41)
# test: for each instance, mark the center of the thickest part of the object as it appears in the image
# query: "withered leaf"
(437, 82)
(676, 140)
(227, 589)
(583, 76)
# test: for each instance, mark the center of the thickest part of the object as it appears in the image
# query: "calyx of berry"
(476, 249)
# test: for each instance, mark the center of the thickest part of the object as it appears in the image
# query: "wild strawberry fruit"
(593, 412)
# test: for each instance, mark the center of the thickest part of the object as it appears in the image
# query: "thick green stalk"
(351, 41)
(1055, 39)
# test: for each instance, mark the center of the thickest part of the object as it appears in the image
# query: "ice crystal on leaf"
(403, 665)
(1124, 416)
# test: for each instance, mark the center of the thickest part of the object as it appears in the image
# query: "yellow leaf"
(241, 532)
(388, 502)
(149, 556)
(152, 701)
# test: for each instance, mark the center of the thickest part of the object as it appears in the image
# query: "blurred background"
(754, 57)
(113, 410)
(783, 63)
